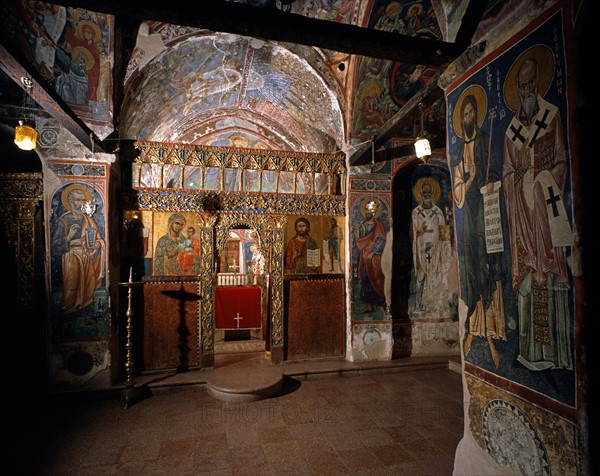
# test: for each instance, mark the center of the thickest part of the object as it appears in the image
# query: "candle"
(131, 274)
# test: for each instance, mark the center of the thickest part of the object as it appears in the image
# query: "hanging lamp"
(25, 133)
(422, 146)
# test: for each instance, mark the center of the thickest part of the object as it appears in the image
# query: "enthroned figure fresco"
(78, 262)
(71, 49)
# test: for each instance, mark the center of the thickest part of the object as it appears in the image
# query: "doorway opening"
(241, 299)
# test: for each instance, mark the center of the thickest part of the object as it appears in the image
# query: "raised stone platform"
(243, 385)
(251, 377)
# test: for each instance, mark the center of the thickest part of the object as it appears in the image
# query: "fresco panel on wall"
(510, 164)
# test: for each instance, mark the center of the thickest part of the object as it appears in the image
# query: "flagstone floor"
(368, 420)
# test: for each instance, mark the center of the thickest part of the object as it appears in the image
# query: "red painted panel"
(237, 307)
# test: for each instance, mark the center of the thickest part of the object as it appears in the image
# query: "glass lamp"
(25, 136)
(422, 147)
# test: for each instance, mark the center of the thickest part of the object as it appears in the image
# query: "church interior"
(231, 196)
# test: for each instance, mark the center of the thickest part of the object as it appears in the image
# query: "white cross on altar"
(237, 318)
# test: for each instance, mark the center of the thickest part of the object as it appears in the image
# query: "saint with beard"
(78, 250)
(298, 248)
(427, 222)
(476, 174)
(534, 174)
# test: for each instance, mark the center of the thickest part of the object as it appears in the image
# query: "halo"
(363, 206)
(544, 57)
(305, 220)
(392, 5)
(241, 137)
(372, 88)
(89, 58)
(64, 198)
(90, 24)
(435, 189)
(418, 6)
(175, 215)
(480, 97)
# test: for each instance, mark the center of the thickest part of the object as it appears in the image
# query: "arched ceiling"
(213, 88)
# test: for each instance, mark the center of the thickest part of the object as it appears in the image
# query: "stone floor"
(329, 417)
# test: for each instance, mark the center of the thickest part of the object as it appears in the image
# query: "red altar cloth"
(237, 307)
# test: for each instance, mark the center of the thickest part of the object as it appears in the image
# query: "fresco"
(509, 157)
(242, 254)
(223, 71)
(370, 226)
(71, 48)
(432, 283)
(79, 297)
(239, 139)
(384, 86)
(404, 17)
(373, 105)
(332, 10)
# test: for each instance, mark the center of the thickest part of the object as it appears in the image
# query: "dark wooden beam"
(428, 94)
(16, 66)
(273, 24)
(469, 23)
(125, 34)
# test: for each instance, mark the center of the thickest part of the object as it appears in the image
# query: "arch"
(231, 82)
(269, 234)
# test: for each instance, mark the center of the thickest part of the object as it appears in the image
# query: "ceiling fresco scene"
(318, 76)
(205, 89)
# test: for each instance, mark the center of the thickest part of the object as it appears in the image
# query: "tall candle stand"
(131, 394)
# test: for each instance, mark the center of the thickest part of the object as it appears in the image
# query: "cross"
(541, 124)
(517, 134)
(237, 318)
(553, 200)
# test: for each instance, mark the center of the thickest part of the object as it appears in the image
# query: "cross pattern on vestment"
(428, 256)
(540, 124)
(553, 200)
(517, 134)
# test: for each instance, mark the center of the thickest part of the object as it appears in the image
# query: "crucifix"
(238, 318)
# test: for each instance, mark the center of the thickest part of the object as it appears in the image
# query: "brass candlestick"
(131, 394)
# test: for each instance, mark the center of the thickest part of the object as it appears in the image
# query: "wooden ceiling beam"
(469, 23)
(276, 25)
(16, 66)
(428, 94)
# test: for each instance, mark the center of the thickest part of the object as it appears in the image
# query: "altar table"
(237, 307)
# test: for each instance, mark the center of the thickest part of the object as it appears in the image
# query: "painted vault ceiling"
(229, 90)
